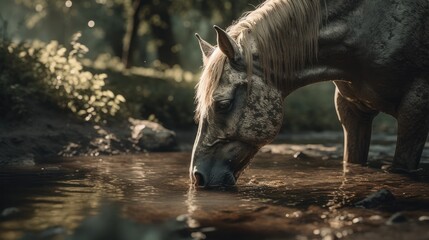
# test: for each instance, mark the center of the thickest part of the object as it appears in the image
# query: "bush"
(17, 78)
(55, 73)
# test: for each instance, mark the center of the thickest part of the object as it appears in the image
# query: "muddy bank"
(51, 133)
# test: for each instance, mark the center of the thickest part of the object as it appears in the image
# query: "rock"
(376, 199)
(27, 161)
(50, 168)
(300, 155)
(396, 218)
(152, 136)
(375, 218)
(55, 232)
(9, 211)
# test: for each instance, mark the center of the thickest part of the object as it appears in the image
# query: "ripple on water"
(277, 196)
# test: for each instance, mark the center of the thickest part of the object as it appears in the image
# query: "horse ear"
(206, 48)
(226, 44)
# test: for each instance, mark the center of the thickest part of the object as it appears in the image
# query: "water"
(278, 197)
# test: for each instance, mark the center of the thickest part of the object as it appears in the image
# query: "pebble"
(396, 218)
(375, 218)
(9, 211)
(198, 235)
(53, 168)
(356, 220)
(182, 218)
(376, 199)
(300, 155)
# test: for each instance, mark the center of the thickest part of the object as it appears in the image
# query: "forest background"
(103, 60)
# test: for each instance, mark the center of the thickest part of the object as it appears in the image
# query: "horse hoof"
(400, 170)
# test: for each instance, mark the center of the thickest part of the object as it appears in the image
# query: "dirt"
(51, 133)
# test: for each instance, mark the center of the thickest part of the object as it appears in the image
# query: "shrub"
(57, 74)
(18, 65)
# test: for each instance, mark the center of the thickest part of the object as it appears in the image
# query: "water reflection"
(340, 197)
(192, 207)
(277, 196)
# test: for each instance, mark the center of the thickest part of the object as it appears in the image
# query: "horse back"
(392, 35)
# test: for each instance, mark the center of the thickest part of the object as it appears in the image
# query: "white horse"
(375, 51)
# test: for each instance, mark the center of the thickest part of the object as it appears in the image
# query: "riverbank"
(49, 133)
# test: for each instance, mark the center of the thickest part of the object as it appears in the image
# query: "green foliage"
(80, 91)
(159, 93)
(52, 71)
(164, 96)
(311, 108)
(16, 78)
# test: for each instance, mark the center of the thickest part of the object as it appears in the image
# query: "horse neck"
(333, 31)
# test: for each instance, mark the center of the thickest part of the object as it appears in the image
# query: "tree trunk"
(163, 33)
(131, 34)
(114, 35)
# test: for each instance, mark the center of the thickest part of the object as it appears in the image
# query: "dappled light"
(58, 74)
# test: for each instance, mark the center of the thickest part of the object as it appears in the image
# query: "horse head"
(237, 112)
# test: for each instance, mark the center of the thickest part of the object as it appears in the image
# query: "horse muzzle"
(220, 178)
(220, 164)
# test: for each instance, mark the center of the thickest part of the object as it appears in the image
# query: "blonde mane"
(285, 32)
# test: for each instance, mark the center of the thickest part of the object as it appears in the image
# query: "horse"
(376, 52)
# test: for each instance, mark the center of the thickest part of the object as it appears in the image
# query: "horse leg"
(413, 127)
(356, 120)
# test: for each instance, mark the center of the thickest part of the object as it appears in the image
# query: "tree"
(131, 34)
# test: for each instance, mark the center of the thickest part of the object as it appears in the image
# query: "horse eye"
(223, 105)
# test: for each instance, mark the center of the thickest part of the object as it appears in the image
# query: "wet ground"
(309, 196)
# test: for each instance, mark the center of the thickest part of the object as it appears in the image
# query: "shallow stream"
(278, 197)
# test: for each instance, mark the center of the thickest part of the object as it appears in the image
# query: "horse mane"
(285, 32)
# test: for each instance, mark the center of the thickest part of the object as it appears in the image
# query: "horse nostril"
(199, 179)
